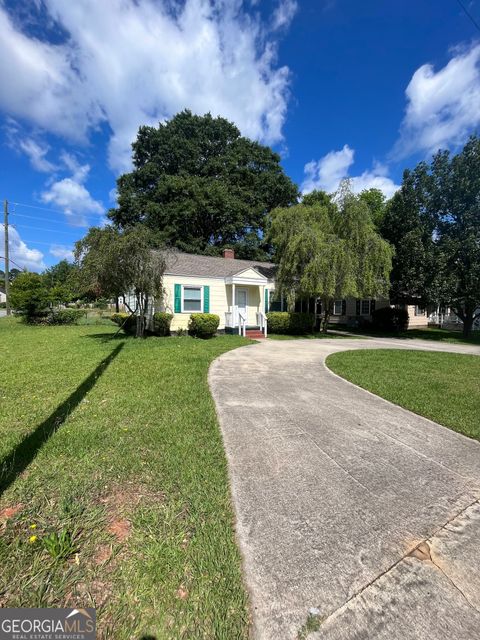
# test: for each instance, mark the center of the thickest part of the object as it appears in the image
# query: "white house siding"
(416, 320)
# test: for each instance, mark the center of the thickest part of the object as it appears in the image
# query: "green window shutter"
(266, 300)
(372, 306)
(206, 299)
(178, 299)
(344, 307)
(357, 307)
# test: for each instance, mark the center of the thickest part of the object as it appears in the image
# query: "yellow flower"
(33, 526)
(32, 539)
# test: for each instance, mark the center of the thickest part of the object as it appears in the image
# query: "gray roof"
(190, 264)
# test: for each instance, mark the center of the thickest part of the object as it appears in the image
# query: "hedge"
(66, 316)
(290, 322)
(161, 323)
(203, 325)
(391, 319)
(60, 316)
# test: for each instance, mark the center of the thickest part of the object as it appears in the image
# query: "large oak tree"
(202, 186)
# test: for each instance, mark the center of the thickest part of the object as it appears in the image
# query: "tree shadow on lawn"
(107, 337)
(23, 454)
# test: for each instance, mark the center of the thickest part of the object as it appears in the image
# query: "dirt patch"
(103, 554)
(9, 512)
(121, 503)
(120, 529)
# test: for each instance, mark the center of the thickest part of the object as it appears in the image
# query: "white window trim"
(341, 308)
(362, 312)
(192, 286)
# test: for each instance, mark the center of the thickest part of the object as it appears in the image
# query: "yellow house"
(237, 291)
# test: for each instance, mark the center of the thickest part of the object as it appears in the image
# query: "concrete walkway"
(346, 503)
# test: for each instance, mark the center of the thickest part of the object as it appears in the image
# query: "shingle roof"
(189, 264)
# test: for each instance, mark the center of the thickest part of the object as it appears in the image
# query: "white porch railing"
(262, 322)
(242, 324)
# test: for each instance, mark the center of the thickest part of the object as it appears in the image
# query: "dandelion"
(33, 526)
(32, 539)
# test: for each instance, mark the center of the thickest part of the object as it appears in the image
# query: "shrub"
(66, 316)
(3, 305)
(290, 322)
(161, 323)
(391, 319)
(203, 325)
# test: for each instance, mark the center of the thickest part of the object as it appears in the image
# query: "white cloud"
(71, 195)
(36, 153)
(443, 106)
(129, 63)
(283, 14)
(21, 255)
(61, 252)
(327, 173)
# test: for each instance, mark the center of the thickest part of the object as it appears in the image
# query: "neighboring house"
(3, 297)
(353, 311)
(240, 292)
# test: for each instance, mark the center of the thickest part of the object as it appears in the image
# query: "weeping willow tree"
(329, 248)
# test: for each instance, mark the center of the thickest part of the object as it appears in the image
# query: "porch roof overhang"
(239, 279)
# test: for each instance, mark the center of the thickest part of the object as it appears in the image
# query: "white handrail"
(262, 322)
(242, 325)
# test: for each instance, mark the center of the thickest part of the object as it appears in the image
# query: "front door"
(241, 300)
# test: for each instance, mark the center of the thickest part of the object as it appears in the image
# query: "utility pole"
(7, 275)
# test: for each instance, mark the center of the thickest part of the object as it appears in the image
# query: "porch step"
(254, 334)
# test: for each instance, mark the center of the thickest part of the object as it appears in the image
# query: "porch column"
(234, 319)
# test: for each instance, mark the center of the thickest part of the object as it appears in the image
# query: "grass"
(113, 482)
(444, 387)
(427, 333)
(308, 336)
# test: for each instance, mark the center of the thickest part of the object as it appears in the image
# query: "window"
(192, 299)
(419, 311)
(365, 309)
(337, 307)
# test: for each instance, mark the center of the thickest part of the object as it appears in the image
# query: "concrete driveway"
(354, 517)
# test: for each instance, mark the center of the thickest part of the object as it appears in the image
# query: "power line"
(63, 213)
(469, 15)
(24, 226)
(22, 215)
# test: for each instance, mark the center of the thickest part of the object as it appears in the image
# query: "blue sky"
(338, 87)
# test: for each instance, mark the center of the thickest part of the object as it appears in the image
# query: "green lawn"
(427, 333)
(113, 489)
(444, 387)
(308, 336)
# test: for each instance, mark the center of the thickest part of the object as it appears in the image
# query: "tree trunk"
(326, 315)
(117, 305)
(467, 316)
(467, 324)
(140, 326)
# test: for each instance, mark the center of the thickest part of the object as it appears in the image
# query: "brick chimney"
(229, 254)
